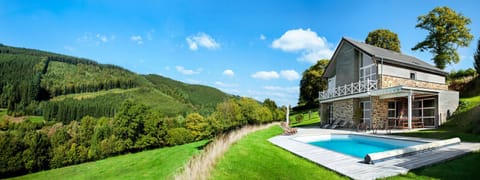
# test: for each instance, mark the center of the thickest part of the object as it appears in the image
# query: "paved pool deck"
(354, 167)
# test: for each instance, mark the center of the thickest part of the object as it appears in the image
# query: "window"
(330, 113)
(368, 72)
(412, 76)
(392, 110)
(366, 114)
(425, 110)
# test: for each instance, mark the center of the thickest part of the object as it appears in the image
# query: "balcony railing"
(349, 89)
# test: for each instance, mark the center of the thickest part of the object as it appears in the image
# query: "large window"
(392, 110)
(331, 84)
(366, 111)
(368, 72)
(330, 113)
(425, 110)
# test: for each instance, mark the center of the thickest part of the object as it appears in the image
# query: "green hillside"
(66, 88)
(204, 98)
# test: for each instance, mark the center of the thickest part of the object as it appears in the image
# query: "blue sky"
(250, 48)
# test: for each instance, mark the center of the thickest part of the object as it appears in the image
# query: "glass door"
(366, 112)
(425, 110)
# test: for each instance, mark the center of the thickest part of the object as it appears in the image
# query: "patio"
(355, 168)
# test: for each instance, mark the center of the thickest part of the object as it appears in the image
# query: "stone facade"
(323, 110)
(379, 109)
(391, 81)
(343, 109)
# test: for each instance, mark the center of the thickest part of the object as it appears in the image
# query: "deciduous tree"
(312, 82)
(384, 38)
(448, 30)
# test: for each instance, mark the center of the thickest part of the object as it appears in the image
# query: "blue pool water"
(359, 146)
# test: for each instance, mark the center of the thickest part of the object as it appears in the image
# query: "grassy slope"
(146, 95)
(314, 119)
(90, 95)
(3, 112)
(61, 74)
(153, 164)
(254, 157)
(36, 119)
(197, 95)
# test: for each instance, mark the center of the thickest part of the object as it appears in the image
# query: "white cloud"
(184, 71)
(265, 75)
(307, 42)
(167, 68)
(290, 75)
(228, 72)
(262, 37)
(137, 39)
(201, 40)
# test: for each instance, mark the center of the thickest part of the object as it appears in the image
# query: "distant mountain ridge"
(65, 88)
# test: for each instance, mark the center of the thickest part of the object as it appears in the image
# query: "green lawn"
(3, 112)
(153, 164)
(36, 119)
(253, 157)
(310, 118)
(443, 133)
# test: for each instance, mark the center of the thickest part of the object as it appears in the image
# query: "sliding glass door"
(425, 110)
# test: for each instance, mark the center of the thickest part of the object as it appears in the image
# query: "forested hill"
(65, 88)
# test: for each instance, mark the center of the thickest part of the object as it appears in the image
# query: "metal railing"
(349, 89)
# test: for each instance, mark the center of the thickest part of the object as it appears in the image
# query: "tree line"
(30, 147)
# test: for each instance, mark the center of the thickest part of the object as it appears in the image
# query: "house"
(378, 86)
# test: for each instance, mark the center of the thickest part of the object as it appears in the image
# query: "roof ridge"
(397, 57)
(392, 51)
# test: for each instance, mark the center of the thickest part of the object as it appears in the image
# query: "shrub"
(299, 118)
(198, 126)
(177, 136)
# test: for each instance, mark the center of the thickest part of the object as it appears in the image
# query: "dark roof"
(395, 58)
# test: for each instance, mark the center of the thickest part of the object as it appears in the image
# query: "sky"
(256, 49)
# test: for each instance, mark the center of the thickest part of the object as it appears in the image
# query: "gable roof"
(395, 58)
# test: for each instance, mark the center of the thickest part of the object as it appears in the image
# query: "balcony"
(349, 89)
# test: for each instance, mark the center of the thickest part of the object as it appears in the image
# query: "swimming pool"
(357, 145)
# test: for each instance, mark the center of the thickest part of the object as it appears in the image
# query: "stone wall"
(343, 110)
(323, 113)
(391, 81)
(379, 109)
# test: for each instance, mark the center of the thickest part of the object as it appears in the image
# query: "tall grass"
(200, 166)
